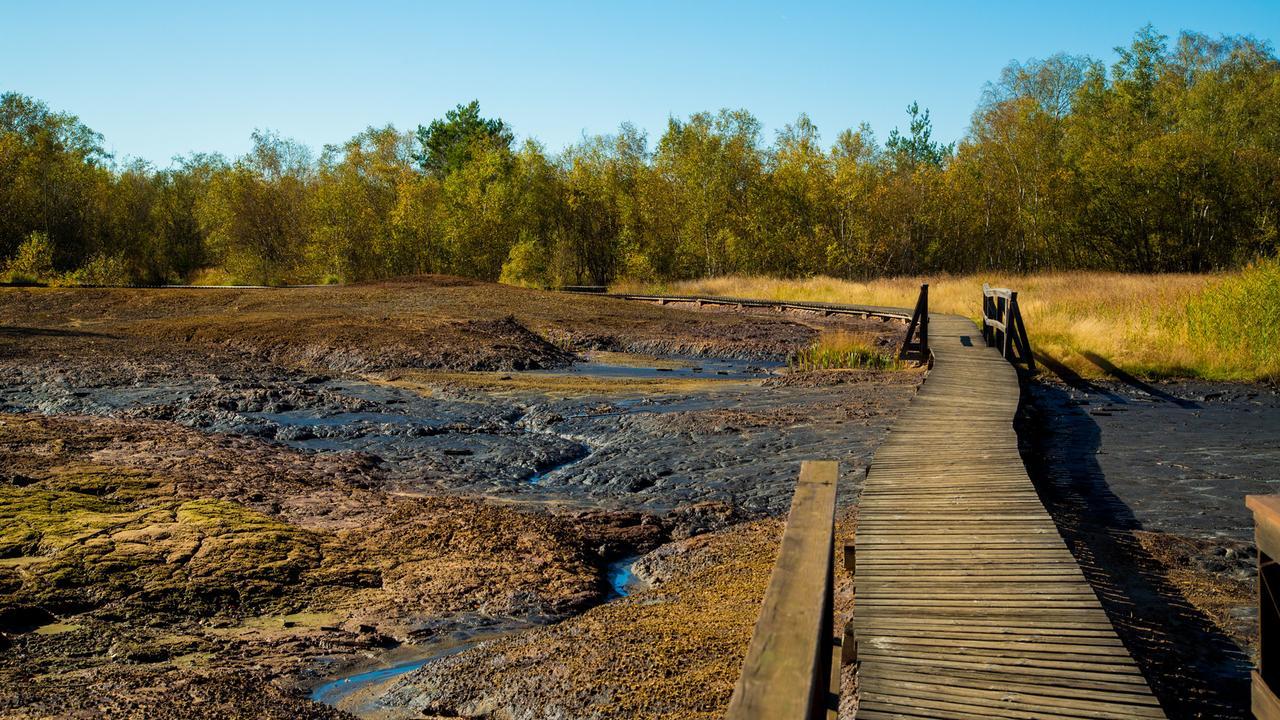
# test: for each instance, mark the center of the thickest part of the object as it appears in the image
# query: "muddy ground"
(1147, 482)
(214, 502)
(433, 322)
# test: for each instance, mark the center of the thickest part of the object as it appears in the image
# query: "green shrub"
(102, 270)
(33, 262)
(526, 265)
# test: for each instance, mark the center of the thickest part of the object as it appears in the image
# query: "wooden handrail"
(1002, 325)
(787, 674)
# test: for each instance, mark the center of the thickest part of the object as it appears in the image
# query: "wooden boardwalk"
(969, 604)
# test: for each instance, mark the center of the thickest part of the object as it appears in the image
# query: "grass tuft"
(845, 350)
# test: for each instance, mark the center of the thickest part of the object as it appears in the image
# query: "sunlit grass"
(844, 350)
(1223, 326)
(1239, 319)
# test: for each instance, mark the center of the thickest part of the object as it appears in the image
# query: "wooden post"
(1006, 342)
(1266, 678)
(924, 319)
(786, 675)
(1024, 342)
(986, 313)
(917, 338)
(999, 333)
(849, 645)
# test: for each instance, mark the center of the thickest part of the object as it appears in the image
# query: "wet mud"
(1147, 482)
(733, 439)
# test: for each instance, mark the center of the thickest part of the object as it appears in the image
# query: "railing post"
(1024, 342)
(1002, 326)
(1266, 678)
(986, 313)
(924, 319)
(1006, 344)
(918, 329)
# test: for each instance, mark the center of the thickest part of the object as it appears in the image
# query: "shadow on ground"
(17, 331)
(1193, 668)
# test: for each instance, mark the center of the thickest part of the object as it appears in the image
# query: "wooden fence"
(1266, 678)
(792, 669)
(1002, 326)
(915, 345)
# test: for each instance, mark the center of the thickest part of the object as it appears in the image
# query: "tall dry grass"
(842, 350)
(1223, 326)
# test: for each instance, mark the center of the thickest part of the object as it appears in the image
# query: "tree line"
(1167, 160)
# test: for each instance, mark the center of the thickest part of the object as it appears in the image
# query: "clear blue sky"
(165, 78)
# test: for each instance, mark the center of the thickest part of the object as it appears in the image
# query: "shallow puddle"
(622, 581)
(355, 692)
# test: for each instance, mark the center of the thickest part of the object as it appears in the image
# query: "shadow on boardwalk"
(1193, 668)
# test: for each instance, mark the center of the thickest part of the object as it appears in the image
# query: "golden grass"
(840, 349)
(1091, 323)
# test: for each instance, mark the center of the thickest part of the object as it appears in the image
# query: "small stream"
(334, 691)
(622, 582)
(538, 476)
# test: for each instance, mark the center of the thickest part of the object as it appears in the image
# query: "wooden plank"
(784, 675)
(969, 604)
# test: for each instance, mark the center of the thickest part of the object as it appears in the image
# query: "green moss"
(37, 521)
(124, 485)
(200, 556)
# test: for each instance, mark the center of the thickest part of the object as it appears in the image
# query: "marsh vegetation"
(1218, 326)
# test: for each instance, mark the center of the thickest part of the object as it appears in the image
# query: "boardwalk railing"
(1266, 679)
(1002, 325)
(789, 673)
(916, 343)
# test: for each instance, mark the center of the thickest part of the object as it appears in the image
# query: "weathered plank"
(786, 673)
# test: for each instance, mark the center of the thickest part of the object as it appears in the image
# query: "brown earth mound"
(428, 322)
